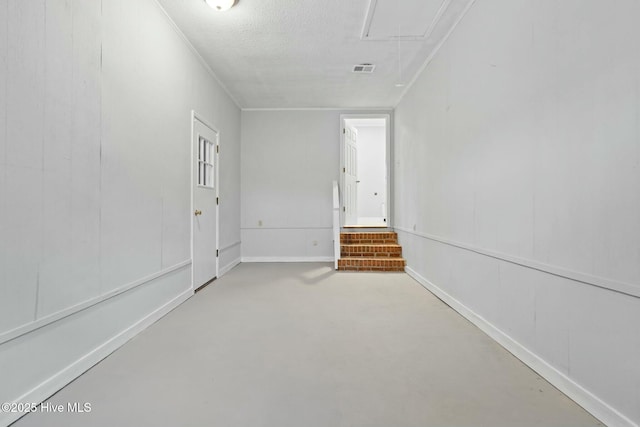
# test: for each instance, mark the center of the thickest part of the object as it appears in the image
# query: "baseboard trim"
(59, 380)
(52, 318)
(587, 279)
(287, 259)
(224, 270)
(232, 245)
(591, 403)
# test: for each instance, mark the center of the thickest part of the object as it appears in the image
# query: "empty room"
(239, 213)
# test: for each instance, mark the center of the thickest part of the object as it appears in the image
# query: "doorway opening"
(364, 158)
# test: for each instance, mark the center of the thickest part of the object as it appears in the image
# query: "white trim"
(355, 109)
(288, 259)
(434, 52)
(191, 190)
(286, 228)
(336, 224)
(364, 35)
(217, 184)
(583, 397)
(51, 318)
(227, 268)
(204, 121)
(226, 248)
(199, 57)
(436, 19)
(63, 377)
(367, 21)
(588, 279)
(389, 164)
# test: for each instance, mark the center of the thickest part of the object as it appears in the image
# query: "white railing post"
(336, 223)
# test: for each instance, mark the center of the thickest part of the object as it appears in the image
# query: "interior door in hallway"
(350, 170)
(205, 204)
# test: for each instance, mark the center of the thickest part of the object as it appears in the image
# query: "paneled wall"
(95, 111)
(289, 160)
(517, 188)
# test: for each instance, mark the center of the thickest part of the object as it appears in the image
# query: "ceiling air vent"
(364, 68)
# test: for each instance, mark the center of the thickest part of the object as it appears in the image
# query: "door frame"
(197, 117)
(387, 119)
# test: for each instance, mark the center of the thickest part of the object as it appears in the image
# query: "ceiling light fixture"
(221, 5)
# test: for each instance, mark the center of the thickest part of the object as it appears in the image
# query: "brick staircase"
(370, 251)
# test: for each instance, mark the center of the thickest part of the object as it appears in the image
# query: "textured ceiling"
(300, 53)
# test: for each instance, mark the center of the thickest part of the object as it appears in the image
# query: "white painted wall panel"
(3, 139)
(278, 243)
(615, 320)
(71, 129)
(572, 327)
(133, 203)
(289, 160)
(95, 184)
(103, 328)
(130, 169)
(552, 324)
(22, 245)
(86, 140)
(23, 161)
(156, 137)
(287, 244)
(25, 83)
(516, 301)
(230, 257)
(521, 141)
(3, 226)
(57, 288)
(174, 158)
(3, 82)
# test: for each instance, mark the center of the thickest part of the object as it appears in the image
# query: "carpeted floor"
(300, 345)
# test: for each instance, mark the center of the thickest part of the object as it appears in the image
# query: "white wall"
(289, 160)
(372, 189)
(94, 182)
(517, 188)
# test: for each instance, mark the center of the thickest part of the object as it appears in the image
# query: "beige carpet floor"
(300, 345)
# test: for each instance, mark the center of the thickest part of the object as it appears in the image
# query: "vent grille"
(364, 68)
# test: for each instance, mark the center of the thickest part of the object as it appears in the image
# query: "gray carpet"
(300, 345)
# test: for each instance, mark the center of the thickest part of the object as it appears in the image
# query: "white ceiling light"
(221, 5)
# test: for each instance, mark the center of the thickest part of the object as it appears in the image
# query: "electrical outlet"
(259, 223)
(315, 243)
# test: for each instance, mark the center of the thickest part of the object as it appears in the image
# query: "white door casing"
(205, 197)
(350, 171)
(353, 219)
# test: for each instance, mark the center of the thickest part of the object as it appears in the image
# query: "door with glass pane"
(205, 204)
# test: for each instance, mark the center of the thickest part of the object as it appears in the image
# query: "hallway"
(302, 345)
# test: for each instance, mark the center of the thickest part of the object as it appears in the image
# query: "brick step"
(386, 237)
(371, 264)
(388, 250)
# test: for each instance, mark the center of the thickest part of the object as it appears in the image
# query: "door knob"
(198, 212)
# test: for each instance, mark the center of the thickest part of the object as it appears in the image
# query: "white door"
(350, 169)
(205, 204)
